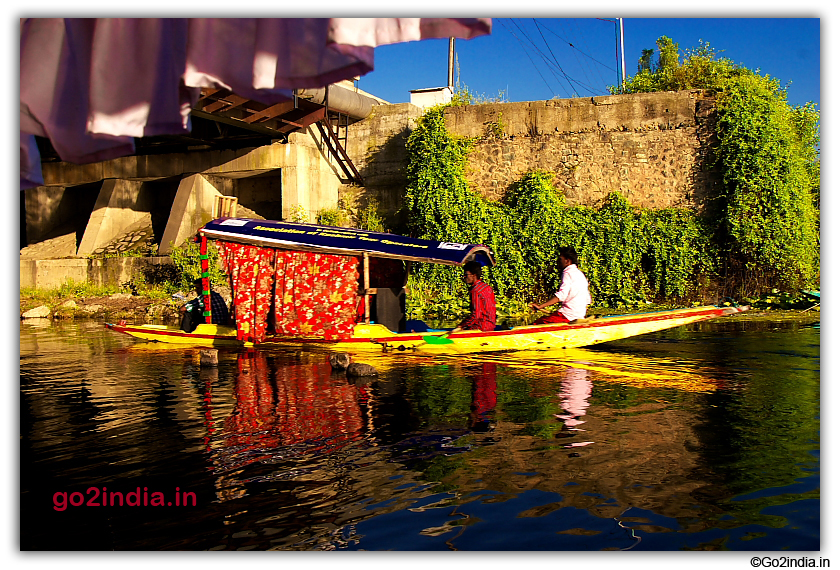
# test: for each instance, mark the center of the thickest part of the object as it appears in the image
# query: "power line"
(551, 61)
(588, 85)
(597, 72)
(551, 65)
(551, 52)
(579, 50)
(545, 59)
(529, 57)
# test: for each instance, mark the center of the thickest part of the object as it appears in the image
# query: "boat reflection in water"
(280, 414)
(529, 426)
(484, 398)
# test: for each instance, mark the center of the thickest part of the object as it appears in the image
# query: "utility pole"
(451, 76)
(623, 68)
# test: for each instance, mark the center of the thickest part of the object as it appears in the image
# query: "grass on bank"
(81, 291)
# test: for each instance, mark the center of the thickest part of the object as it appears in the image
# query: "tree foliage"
(630, 255)
(768, 154)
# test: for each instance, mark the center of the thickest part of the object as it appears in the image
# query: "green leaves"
(768, 156)
(767, 226)
(764, 233)
(187, 262)
(628, 255)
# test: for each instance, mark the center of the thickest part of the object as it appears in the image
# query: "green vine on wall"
(763, 230)
(767, 218)
(630, 255)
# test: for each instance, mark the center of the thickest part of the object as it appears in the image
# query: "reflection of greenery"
(621, 396)
(521, 406)
(753, 511)
(441, 396)
(754, 437)
(438, 396)
(440, 467)
(761, 436)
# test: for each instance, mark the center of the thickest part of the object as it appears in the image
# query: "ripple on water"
(700, 438)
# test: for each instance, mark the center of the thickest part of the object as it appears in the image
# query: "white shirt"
(573, 294)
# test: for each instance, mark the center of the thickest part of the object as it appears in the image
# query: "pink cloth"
(91, 85)
(55, 64)
(573, 294)
(374, 32)
(30, 164)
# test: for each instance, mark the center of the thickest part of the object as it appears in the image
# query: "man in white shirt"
(573, 295)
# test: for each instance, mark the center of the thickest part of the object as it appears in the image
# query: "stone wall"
(376, 146)
(53, 273)
(649, 147)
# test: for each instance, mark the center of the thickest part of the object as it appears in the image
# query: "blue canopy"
(344, 241)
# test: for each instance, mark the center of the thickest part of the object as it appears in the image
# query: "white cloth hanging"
(91, 85)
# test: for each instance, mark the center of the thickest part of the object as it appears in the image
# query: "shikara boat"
(377, 337)
(399, 335)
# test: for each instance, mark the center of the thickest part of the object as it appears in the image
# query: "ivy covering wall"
(767, 217)
(631, 256)
(763, 231)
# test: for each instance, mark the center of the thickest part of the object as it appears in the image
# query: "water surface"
(704, 437)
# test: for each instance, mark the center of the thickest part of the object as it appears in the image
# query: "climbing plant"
(368, 218)
(766, 220)
(762, 231)
(767, 153)
(187, 261)
(630, 255)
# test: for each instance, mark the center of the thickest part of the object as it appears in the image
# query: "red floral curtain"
(316, 294)
(251, 271)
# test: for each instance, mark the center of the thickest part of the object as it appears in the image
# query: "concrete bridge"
(270, 160)
(650, 147)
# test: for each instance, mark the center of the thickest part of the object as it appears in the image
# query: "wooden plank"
(302, 122)
(271, 112)
(273, 133)
(228, 102)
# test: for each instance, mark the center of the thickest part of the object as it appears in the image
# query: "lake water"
(705, 437)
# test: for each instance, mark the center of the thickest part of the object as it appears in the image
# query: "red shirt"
(482, 308)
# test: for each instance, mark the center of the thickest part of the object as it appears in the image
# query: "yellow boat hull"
(377, 338)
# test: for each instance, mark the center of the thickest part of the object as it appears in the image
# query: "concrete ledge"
(606, 113)
(53, 273)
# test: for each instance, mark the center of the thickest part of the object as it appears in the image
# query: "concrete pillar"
(308, 178)
(191, 209)
(58, 210)
(120, 204)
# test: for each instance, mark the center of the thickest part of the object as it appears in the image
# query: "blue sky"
(532, 59)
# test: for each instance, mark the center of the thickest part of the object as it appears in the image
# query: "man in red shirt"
(482, 301)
